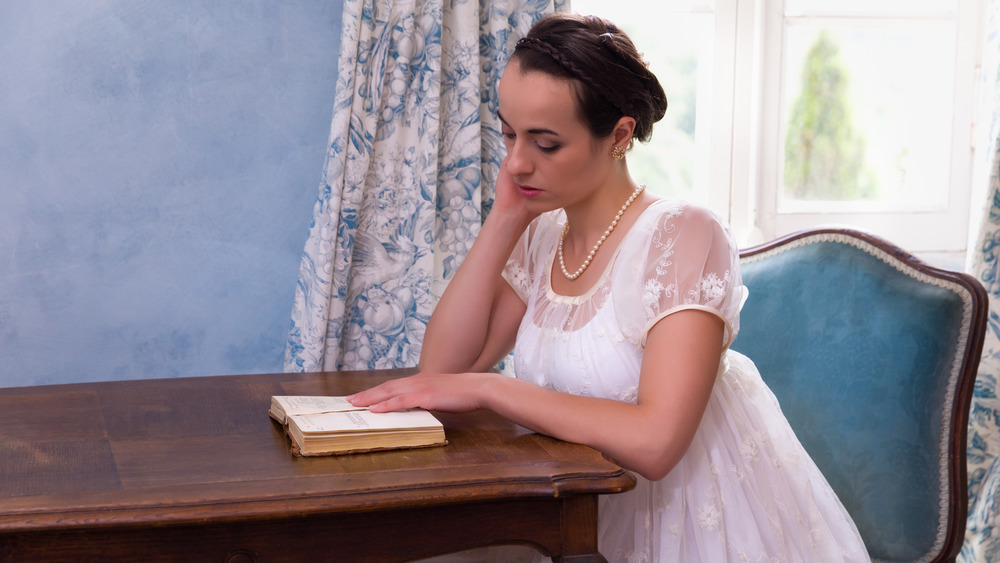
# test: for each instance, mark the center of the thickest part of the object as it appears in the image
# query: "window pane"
(640, 10)
(679, 49)
(868, 7)
(866, 114)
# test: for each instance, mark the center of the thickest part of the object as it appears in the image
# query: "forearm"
(459, 327)
(646, 438)
(635, 436)
(679, 368)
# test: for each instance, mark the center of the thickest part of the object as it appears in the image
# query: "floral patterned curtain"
(414, 148)
(982, 538)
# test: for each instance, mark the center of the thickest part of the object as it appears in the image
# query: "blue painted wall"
(158, 166)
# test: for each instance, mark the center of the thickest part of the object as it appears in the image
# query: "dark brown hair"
(608, 76)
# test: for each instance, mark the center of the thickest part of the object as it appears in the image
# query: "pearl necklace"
(604, 237)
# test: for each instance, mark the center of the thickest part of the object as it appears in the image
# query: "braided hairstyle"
(606, 72)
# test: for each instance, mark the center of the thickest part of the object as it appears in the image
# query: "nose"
(518, 161)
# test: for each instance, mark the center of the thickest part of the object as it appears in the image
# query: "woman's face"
(553, 157)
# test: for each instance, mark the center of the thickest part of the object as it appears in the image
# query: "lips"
(528, 192)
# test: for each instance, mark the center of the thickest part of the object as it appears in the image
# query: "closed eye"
(548, 149)
(507, 131)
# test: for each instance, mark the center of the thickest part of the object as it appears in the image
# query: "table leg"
(579, 531)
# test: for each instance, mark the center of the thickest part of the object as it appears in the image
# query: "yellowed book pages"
(364, 421)
(330, 425)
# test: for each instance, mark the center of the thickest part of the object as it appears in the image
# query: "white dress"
(745, 490)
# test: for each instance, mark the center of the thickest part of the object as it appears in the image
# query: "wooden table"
(193, 469)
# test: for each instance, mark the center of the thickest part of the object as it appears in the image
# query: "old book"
(331, 425)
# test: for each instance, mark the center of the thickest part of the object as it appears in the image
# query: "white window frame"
(746, 149)
(941, 230)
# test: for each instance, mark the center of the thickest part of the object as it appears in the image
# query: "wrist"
(498, 390)
(508, 223)
(489, 389)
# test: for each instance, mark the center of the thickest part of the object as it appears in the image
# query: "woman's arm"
(679, 368)
(474, 324)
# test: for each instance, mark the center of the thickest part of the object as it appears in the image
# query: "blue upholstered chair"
(873, 356)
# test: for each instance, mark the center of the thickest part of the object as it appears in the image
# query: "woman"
(620, 308)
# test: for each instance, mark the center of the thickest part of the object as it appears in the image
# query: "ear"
(621, 135)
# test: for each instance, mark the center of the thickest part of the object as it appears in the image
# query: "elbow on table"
(655, 471)
(655, 457)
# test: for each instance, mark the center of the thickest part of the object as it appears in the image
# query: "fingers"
(369, 397)
(392, 395)
(504, 174)
(362, 399)
(444, 392)
(393, 404)
(384, 404)
(507, 196)
(505, 188)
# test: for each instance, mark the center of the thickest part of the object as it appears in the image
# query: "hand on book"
(323, 425)
(460, 392)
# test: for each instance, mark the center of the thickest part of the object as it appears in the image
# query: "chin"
(540, 207)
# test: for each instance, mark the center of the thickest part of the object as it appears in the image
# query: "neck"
(608, 233)
(589, 219)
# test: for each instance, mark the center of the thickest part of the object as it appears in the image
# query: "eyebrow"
(537, 131)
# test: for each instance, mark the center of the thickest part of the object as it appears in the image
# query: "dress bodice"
(675, 256)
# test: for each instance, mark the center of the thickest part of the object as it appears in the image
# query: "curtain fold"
(982, 539)
(414, 150)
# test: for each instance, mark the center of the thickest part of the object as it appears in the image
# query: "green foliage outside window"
(824, 152)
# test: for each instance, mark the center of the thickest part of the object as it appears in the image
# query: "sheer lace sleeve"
(691, 262)
(524, 259)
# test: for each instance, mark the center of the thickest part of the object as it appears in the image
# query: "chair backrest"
(873, 356)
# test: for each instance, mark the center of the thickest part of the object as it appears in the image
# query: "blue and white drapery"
(982, 539)
(414, 150)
